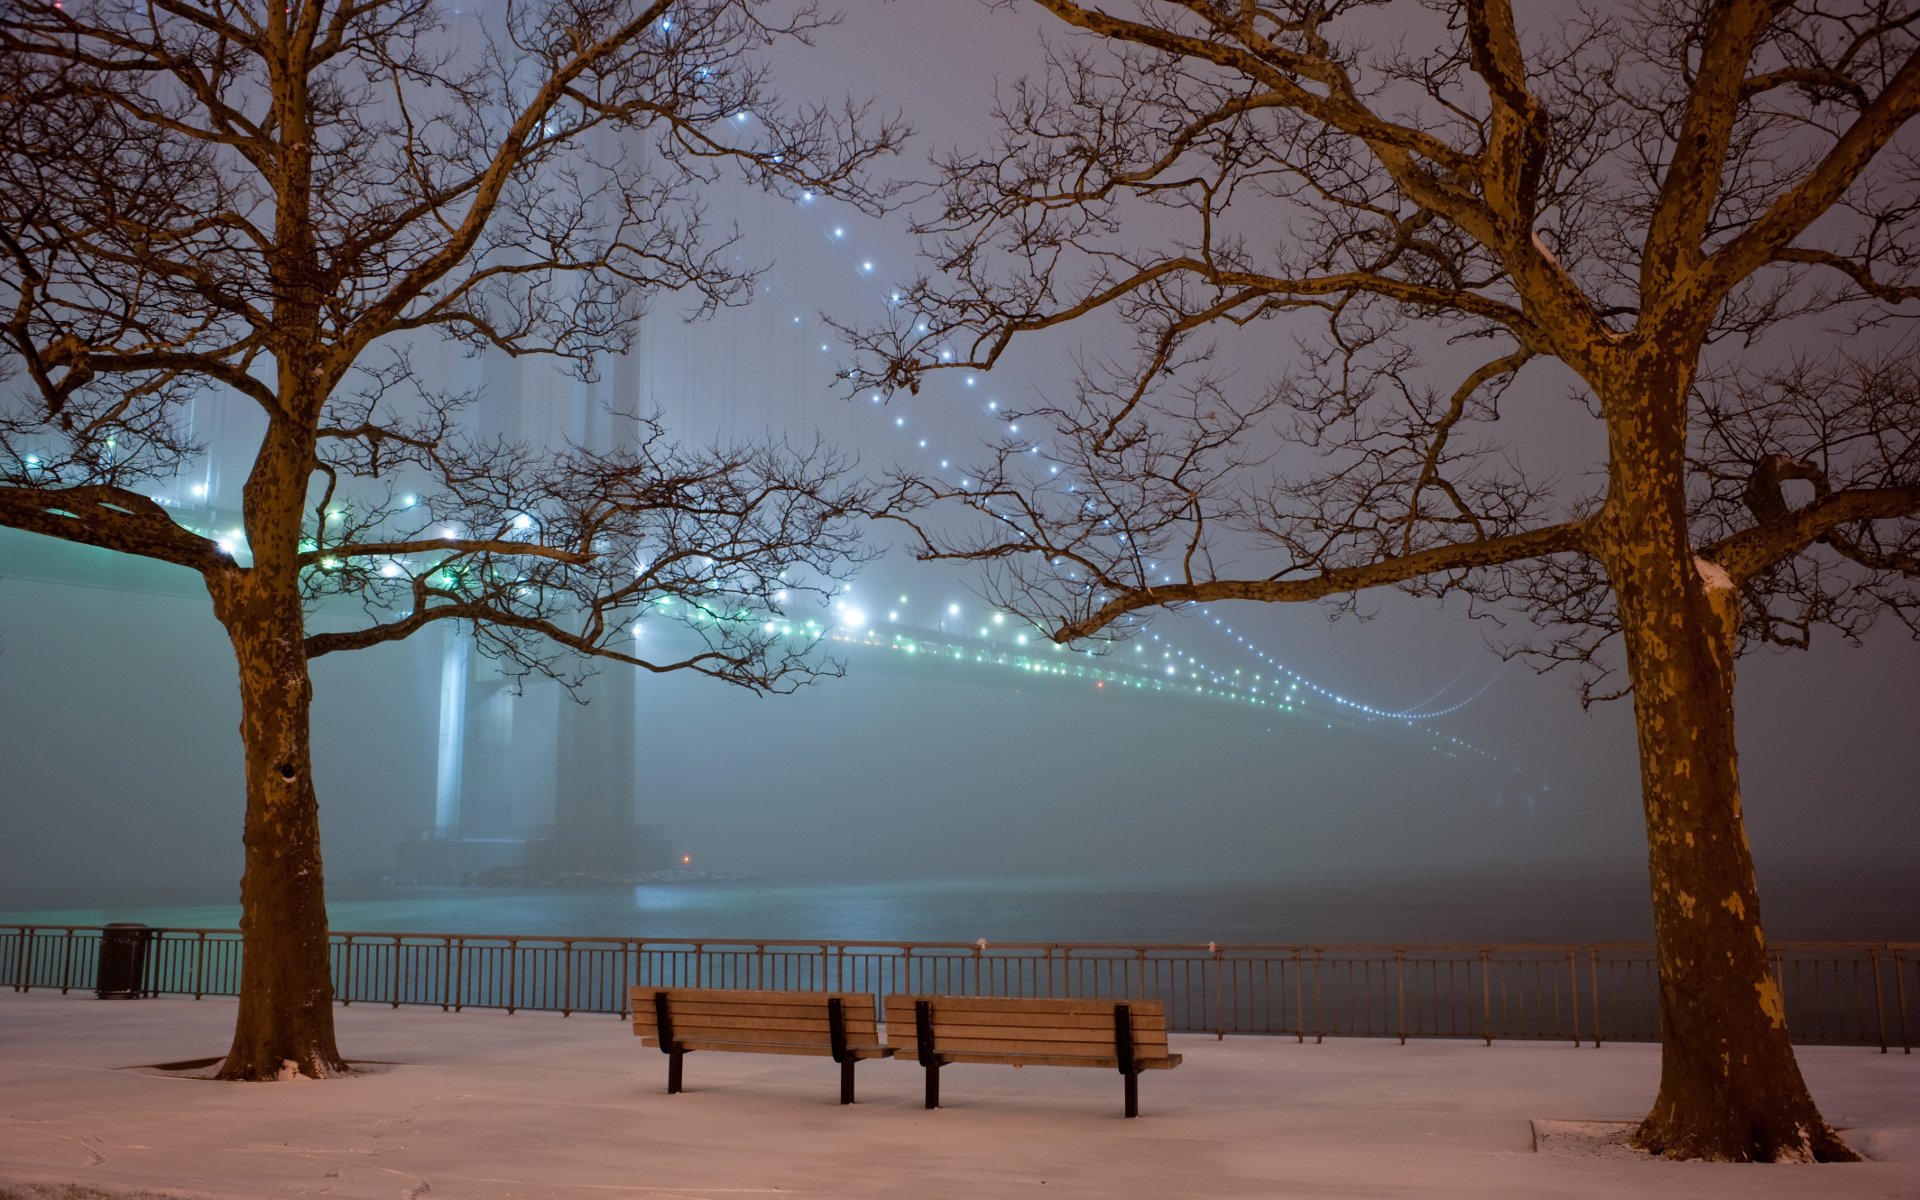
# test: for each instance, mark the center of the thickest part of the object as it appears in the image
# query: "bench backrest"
(773, 1018)
(1021, 1025)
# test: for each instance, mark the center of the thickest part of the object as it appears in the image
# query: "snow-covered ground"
(482, 1104)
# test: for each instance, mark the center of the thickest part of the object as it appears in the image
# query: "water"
(1506, 905)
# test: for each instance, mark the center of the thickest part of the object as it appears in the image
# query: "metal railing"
(1861, 994)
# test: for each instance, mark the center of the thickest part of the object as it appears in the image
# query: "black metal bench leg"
(1123, 1054)
(923, 1039)
(673, 1072)
(846, 1082)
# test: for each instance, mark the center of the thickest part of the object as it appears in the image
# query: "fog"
(122, 766)
(120, 762)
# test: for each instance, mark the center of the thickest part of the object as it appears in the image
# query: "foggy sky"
(120, 758)
(122, 763)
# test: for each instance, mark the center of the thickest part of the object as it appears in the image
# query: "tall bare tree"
(1699, 215)
(284, 202)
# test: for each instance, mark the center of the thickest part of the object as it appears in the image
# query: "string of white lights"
(1175, 663)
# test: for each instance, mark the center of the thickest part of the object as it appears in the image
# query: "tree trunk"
(285, 1019)
(1730, 1088)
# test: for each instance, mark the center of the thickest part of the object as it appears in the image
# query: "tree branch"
(1749, 552)
(113, 519)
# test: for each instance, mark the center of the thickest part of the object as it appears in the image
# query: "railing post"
(446, 973)
(346, 969)
(1219, 992)
(1573, 992)
(566, 977)
(1486, 996)
(1400, 985)
(1879, 1000)
(1299, 1002)
(393, 973)
(513, 975)
(1900, 997)
(1319, 1028)
(629, 955)
(1593, 983)
(66, 960)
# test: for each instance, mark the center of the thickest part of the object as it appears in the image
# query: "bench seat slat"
(760, 1008)
(1051, 1060)
(704, 995)
(1050, 1006)
(772, 1024)
(1067, 1033)
(945, 1039)
(770, 1047)
(951, 1014)
(730, 1033)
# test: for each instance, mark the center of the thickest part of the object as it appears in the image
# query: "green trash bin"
(123, 961)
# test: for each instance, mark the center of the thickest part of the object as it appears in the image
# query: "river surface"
(1495, 906)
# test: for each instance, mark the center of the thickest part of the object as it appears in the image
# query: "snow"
(483, 1104)
(1713, 575)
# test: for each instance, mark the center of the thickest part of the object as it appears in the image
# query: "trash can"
(123, 961)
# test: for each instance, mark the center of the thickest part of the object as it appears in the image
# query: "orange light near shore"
(686, 858)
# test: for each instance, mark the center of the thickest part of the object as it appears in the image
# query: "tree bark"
(1730, 1088)
(286, 988)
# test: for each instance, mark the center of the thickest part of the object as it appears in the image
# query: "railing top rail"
(1004, 948)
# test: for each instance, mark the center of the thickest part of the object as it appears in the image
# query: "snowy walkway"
(482, 1104)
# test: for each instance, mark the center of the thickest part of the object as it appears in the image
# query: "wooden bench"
(1130, 1035)
(681, 1020)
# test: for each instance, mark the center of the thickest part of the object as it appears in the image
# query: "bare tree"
(284, 203)
(1699, 215)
